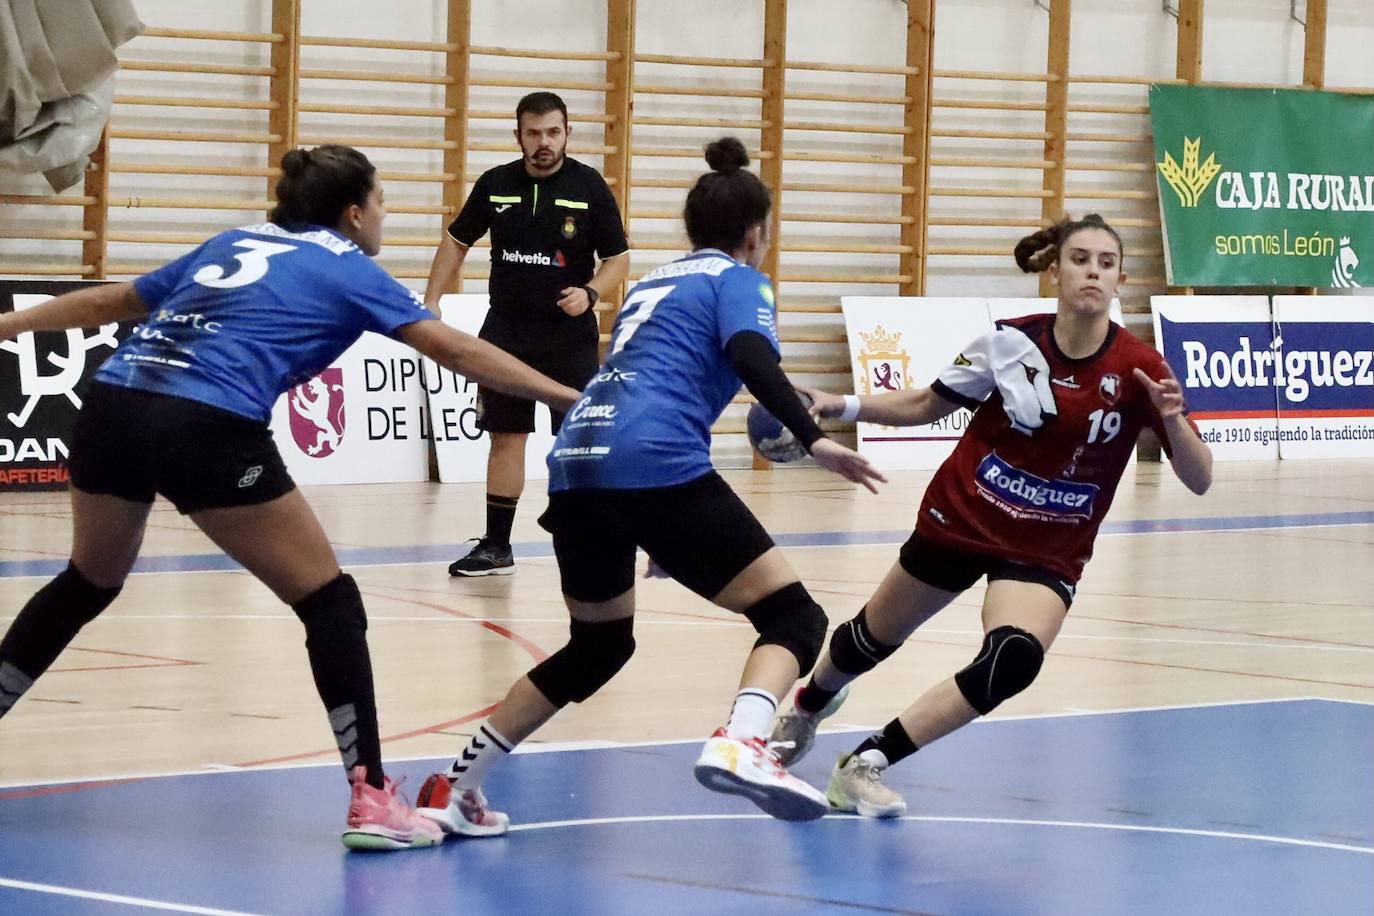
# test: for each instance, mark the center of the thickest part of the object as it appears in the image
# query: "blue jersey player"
(181, 409)
(631, 468)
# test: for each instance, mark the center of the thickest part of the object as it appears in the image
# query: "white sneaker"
(857, 786)
(795, 731)
(750, 769)
(460, 811)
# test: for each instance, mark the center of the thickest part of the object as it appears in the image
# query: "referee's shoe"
(486, 559)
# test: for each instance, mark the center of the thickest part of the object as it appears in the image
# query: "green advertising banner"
(1265, 187)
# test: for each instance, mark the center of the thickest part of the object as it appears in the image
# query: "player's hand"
(846, 462)
(574, 301)
(823, 403)
(1166, 394)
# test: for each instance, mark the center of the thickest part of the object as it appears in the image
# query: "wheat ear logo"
(1190, 180)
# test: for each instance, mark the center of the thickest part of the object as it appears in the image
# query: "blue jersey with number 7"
(645, 419)
(254, 311)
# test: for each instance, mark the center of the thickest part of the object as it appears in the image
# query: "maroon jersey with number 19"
(1038, 497)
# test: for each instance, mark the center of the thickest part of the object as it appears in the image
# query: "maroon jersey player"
(1058, 401)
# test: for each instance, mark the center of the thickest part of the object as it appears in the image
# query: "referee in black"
(550, 217)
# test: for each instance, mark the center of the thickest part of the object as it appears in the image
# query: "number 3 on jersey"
(1103, 422)
(252, 265)
(639, 305)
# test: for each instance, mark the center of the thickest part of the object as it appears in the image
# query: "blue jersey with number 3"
(254, 311)
(645, 419)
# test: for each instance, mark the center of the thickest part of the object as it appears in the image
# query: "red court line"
(426, 730)
(1132, 661)
(162, 662)
(64, 788)
(535, 652)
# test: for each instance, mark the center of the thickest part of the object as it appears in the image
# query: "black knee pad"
(336, 603)
(853, 649)
(595, 653)
(792, 619)
(1008, 662)
(82, 602)
(52, 617)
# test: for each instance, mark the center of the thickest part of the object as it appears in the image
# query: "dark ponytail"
(726, 202)
(318, 185)
(1037, 251)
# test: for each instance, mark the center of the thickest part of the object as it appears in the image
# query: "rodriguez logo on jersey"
(1024, 495)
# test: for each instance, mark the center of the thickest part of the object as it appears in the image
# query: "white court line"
(998, 821)
(1271, 642)
(536, 747)
(118, 898)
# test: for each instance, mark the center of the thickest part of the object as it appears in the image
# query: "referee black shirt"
(544, 232)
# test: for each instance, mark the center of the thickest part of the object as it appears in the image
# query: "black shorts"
(135, 444)
(700, 532)
(502, 413)
(956, 570)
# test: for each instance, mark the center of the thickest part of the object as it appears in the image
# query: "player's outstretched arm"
(85, 308)
(1189, 456)
(915, 407)
(486, 364)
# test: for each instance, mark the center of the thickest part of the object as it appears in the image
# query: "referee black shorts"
(136, 444)
(502, 413)
(954, 570)
(699, 532)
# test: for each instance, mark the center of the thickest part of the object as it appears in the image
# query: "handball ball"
(770, 438)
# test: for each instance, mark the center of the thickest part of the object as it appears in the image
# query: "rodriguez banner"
(1262, 187)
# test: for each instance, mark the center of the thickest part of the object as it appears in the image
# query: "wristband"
(851, 408)
(592, 295)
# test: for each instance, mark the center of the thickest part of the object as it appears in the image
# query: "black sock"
(336, 640)
(892, 742)
(812, 698)
(50, 620)
(500, 518)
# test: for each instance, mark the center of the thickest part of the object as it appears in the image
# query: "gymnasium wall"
(908, 159)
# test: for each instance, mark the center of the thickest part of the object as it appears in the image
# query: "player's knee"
(337, 603)
(72, 601)
(792, 619)
(853, 649)
(1006, 665)
(594, 654)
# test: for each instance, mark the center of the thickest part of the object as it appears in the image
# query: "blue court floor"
(1257, 808)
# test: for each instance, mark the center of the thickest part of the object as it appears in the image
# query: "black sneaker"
(486, 559)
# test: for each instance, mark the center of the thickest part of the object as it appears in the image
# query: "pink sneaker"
(461, 811)
(380, 819)
(751, 768)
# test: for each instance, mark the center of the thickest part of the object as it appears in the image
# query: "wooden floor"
(200, 669)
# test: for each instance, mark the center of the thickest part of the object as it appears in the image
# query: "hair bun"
(1039, 250)
(295, 161)
(726, 155)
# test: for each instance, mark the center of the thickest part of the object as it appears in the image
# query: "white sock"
(874, 757)
(487, 748)
(752, 714)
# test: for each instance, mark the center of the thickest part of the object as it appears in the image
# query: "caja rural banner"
(1263, 187)
(1225, 354)
(42, 378)
(897, 343)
